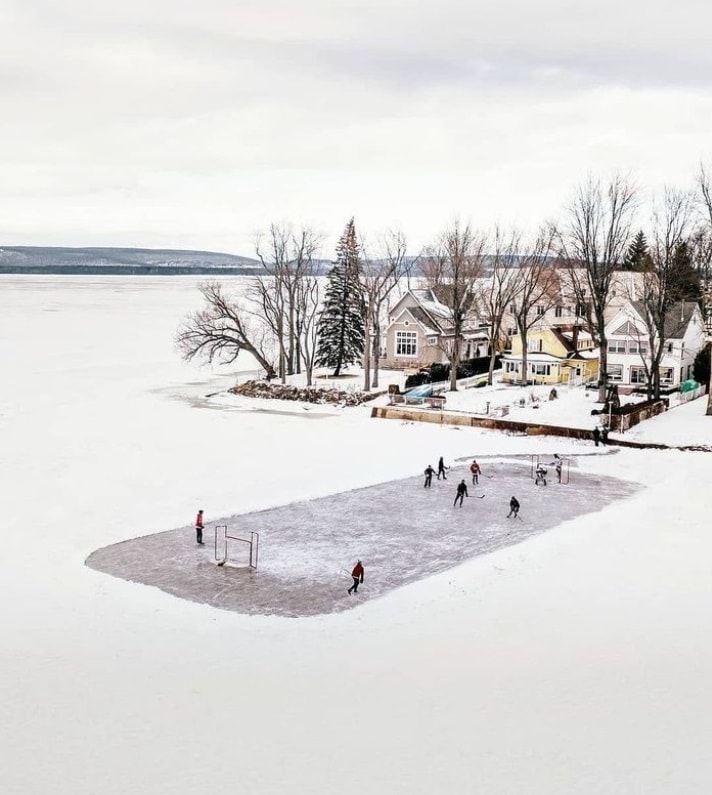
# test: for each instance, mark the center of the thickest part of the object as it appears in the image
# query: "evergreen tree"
(685, 283)
(701, 367)
(637, 258)
(341, 327)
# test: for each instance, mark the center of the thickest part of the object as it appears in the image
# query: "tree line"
(291, 323)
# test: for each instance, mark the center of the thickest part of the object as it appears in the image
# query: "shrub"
(701, 367)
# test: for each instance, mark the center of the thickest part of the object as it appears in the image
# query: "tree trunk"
(292, 336)
(525, 357)
(376, 354)
(602, 367)
(493, 356)
(367, 357)
(454, 361)
(709, 388)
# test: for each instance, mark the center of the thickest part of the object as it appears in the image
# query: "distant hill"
(127, 261)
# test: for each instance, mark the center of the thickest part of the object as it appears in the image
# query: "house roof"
(628, 329)
(426, 320)
(589, 353)
(533, 356)
(564, 340)
(677, 319)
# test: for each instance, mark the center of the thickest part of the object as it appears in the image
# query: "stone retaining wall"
(467, 420)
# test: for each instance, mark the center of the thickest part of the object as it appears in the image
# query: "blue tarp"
(424, 390)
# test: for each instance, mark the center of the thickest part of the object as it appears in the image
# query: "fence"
(679, 398)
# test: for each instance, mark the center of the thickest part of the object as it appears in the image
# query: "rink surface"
(401, 531)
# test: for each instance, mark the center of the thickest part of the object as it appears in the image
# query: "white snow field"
(577, 661)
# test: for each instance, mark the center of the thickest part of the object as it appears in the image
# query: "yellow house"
(554, 356)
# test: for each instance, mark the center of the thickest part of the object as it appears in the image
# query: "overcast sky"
(168, 123)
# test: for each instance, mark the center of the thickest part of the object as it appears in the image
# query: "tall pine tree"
(341, 329)
(637, 257)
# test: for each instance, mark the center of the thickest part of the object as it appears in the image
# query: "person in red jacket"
(199, 527)
(357, 574)
(476, 472)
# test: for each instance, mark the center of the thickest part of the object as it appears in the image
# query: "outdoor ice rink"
(401, 531)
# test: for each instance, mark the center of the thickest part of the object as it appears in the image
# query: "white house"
(628, 347)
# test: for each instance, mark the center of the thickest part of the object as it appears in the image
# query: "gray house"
(420, 329)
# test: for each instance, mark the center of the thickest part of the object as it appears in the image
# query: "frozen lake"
(575, 661)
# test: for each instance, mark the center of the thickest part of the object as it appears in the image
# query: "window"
(539, 311)
(638, 376)
(668, 347)
(406, 343)
(512, 367)
(513, 309)
(535, 346)
(581, 310)
(637, 346)
(616, 346)
(667, 375)
(512, 330)
(615, 372)
(559, 311)
(541, 369)
(432, 340)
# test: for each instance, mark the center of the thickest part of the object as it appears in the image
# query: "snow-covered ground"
(576, 662)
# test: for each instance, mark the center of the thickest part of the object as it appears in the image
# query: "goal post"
(536, 461)
(230, 548)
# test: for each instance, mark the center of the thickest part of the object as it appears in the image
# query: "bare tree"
(222, 330)
(496, 293)
(307, 305)
(593, 245)
(704, 185)
(662, 286)
(537, 288)
(279, 293)
(379, 276)
(451, 270)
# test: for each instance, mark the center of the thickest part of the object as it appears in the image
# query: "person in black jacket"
(461, 493)
(596, 435)
(429, 472)
(442, 469)
(513, 508)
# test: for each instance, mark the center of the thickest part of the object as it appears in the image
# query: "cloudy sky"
(174, 123)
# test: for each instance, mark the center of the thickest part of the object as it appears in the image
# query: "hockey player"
(513, 508)
(429, 472)
(442, 469)
(461, 493)
(540, 478)
(596, 435)
(357, 575)
(476, 472)
(557, 467)
(199, 527)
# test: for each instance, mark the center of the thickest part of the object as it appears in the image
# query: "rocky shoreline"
(305, 394)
